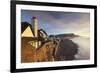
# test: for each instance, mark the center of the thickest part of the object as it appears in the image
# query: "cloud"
(59, 22)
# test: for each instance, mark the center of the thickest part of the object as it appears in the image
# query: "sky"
(59, 22)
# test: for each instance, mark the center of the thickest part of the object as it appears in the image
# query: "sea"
(84, 47)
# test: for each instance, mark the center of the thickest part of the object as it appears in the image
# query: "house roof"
(24, 25)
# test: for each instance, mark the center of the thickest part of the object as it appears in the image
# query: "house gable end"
(27, 32)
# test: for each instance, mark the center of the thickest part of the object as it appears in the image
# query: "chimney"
(35, 26)
(35, 29)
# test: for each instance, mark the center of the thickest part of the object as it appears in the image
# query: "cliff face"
(66, 50)
(42, 54)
